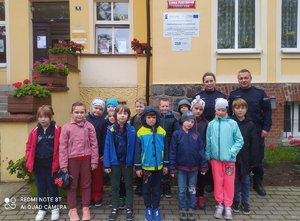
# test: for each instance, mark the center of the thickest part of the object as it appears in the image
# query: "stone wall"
(284, 92)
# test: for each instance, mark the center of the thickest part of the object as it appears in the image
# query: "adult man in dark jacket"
(260, 112)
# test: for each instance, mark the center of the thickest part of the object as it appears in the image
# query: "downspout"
(148, 51)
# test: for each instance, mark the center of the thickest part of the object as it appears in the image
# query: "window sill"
(290, 50)
(239, 51)
(111, 55)
(3, 65)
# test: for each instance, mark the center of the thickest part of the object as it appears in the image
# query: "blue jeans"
(242, 188)
(186, 188)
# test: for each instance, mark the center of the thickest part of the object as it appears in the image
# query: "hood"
(247, 119)
(149, 109)
(182, 102)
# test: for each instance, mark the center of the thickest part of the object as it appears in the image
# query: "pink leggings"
(223, 174)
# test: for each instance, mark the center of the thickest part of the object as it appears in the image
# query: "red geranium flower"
(17, 84)
(26, 81)
(272, 146)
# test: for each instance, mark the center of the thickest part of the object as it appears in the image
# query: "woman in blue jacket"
(119, 160)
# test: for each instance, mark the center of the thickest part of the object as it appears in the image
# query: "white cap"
(221, 103)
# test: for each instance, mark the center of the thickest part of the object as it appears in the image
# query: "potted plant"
(65, 53)
(27, 97)
(46, 73)
(138, 47)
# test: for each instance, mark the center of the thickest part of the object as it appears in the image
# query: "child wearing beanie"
(96, 117)
(223, 142)
(187, 156)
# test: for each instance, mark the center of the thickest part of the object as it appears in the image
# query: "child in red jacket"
(42, 159)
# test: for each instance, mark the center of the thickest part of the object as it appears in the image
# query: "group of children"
(156, 144)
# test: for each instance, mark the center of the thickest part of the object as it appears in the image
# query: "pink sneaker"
(86, 214)
(73, 215)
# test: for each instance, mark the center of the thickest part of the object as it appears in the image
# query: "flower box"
(54, 79)
(26, 104)
(69, 59)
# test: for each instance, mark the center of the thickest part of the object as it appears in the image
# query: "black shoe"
(162, 190)
(209, 188)
(245, 207)
(113, 215)
(138, 190)
(91, 204)
(168, 193)
(129, 215)
(98, 203)
(235, 206)
(260, 190)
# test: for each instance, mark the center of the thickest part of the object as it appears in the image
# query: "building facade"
(188, 38)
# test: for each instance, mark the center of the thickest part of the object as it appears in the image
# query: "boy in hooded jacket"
(151, 161)
(223, 142)
(246, 159)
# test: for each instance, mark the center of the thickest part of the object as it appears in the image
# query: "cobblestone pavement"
(281, 203)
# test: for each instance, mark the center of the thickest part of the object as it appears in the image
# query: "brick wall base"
(284, 92)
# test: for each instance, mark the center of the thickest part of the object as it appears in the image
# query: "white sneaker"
(219, 211)
(228, 213)
(40, 215)
(55, 214)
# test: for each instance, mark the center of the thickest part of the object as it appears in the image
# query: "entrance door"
(51, 23)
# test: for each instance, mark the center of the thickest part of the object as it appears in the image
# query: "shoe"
(156, 214)
(168, 193)
(245, 207)
(219, 211)
(162, 190)
(98, 203)
(236, 206)
(197, 198)
(55, 214)
(91, 204)
(86, 215)
(129, 215)
(122, 203)
(260, 190)
(190, 215)
(40, 215)
(201, 203)
(228, 213)
(209, 188)
(113, 214)
(183, 215)
(73, 215)
(148, 214)
(138, 190)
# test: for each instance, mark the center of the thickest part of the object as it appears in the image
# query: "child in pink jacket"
(78, 154)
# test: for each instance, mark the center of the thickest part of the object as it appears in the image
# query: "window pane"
(2, 11)
(246, 24)
(226, 24)
(289, 23)
(287, 118)
(120, 12)
(2, 44)
(104, 40)
(121, 40)
(51, 11)
(103, 11)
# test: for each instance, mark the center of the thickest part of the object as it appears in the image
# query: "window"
(2, 34)
(112, 27)
(236, 24)
(292, 119)
(290, 24)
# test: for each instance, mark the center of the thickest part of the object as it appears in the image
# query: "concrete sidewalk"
(281, 203)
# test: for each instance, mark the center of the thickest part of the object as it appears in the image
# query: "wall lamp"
(273, 102)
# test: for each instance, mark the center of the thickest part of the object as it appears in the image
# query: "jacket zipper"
(219, 139)
(156, 164)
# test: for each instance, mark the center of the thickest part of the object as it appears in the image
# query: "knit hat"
(221, 103)
(198, 100)
(183, 102)
(97, 102)
(112, 101)
(187, 115)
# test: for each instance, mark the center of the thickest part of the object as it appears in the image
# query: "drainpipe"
(148, 52)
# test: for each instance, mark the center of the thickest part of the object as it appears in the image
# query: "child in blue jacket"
(119, 160)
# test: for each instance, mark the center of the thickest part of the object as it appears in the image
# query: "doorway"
(51, 23)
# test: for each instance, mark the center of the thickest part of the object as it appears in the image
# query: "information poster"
(181, 24)
(41, 42)
(181, 44)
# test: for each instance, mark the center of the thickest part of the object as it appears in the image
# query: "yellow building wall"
(13, 139)
(271, 40)
(230, 67)
(181, 67)
(2, 76)
(291, 67)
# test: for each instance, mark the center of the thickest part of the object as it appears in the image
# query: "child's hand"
(108, 170)
(139, 173)
(165, 170)
(172, 175)
(203, 173)
(94, 166)
(64, 170)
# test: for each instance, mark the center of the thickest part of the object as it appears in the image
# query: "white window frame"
(295, 120)
(112, 24)
(237, 50)
(291, 50)
(3, 23)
